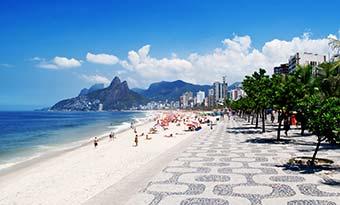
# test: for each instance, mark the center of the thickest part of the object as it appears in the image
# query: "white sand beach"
(77, 175)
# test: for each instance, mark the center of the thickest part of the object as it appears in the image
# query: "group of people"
(111, 138)
(137, 136)
(162, 122)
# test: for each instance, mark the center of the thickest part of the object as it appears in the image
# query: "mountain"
(138, 90)
(117, 96)
(171, 91)
(93, 88)
(234, 85)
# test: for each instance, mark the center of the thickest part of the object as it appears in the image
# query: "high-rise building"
(335, 57)
(236, 93)
(220, 91)
(225, 87)
(186, 100)
(200, 97)
(211, 98)
(282, 69)
(305, 59)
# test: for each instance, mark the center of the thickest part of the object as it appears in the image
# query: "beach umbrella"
(190, 125)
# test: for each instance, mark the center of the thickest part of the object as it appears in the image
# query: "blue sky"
(169, 31)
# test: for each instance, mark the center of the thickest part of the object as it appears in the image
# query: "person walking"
(95, 142)
(112, 136)
(136, 140)
(272, 117)
(286, 123)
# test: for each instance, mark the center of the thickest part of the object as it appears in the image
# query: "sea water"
(25, 135)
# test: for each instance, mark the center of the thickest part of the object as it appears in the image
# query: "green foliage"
(323, 117)
(259, 93)
(313, 92)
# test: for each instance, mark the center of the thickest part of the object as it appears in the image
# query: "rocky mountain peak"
(115, 82)
(115, 97)
(125, 84)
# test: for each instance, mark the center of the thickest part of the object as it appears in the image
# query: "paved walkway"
(235, 164)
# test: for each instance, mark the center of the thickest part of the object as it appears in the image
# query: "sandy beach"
(77, 175)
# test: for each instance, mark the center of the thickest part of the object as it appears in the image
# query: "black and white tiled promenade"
(222, 167)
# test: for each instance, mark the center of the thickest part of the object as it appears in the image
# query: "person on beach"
(95, 142)
(136, 140)
(112, 135)
(211, 125)
(147, 137)
(168, 135)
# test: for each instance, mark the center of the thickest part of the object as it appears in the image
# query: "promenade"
(236, 164)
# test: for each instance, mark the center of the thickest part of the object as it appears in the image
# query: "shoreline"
(82, 172)
(67, 147)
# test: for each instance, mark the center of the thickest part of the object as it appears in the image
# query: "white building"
(200, 97)
(211, 98)
(305, 59)
(335, 58)
(236, 93)
(100, 107)
(219, 91)
(186, 100)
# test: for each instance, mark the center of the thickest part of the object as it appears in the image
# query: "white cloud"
(63, 62)
(95, 79)
(280, 50)
(102, 58)
(6, 65)
(47, 65)
(148, 67)
(57, 63)
(235, 59)
(36, 58)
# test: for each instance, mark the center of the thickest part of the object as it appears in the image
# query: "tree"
(322, 105)
(251, 91)
(258, 90)
(284, 97)
(323, 119)
(305, 83)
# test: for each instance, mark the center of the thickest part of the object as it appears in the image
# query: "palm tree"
(284, 95)
(327, 76)
(305, 88)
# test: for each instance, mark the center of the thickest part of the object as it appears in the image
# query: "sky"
(50, 50)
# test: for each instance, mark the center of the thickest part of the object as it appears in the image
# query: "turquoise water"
(24, 135)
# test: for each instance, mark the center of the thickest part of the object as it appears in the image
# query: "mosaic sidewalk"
(227, 166)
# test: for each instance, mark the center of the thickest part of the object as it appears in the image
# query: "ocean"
(28, 134)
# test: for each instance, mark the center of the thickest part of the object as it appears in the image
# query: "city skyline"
(50, 51)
